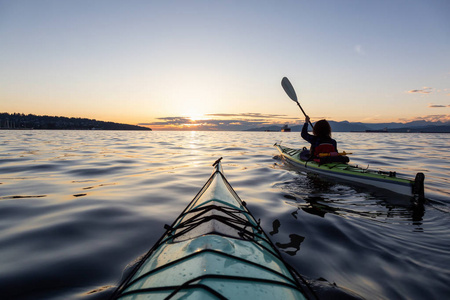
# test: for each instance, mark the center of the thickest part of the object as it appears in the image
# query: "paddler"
(321, 141)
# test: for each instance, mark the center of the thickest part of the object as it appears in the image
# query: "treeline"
(22, 121)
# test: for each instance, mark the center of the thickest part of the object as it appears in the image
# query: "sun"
(195, 115)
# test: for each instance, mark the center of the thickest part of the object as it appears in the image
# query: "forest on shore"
(30, 121)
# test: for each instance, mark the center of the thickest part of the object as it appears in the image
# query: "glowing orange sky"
(158, 60)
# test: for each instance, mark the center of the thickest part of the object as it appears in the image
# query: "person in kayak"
(321, 142)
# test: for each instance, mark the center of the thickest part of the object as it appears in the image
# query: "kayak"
(352, 173)
(215, 249)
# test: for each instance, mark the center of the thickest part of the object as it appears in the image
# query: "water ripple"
(77, 207)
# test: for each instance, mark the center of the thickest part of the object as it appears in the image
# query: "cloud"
(437, 105)
(240, 121)
(169, 121)
(252, 115)
(424, 90)
(237, 122)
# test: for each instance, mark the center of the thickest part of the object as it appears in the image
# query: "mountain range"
(345, 126)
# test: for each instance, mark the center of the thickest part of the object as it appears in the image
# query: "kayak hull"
(214, 250)
(346, 172)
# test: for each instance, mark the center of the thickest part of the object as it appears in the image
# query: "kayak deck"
(214, 250)
(348, 172)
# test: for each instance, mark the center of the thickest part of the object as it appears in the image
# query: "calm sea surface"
(77, 207)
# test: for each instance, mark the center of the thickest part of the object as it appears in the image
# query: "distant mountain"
(345, 126)
(22, 121)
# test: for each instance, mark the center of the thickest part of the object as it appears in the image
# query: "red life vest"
(324, 148)
(333, 155)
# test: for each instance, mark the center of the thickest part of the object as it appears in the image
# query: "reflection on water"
(321, 196)
(295, 241)
(76, 207)
(276, 225)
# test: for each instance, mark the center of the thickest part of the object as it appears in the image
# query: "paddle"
(289, 89)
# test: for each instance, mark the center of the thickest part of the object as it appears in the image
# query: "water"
(77, 207)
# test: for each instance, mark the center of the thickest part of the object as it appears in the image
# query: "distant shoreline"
(18, 121)
(74, 129)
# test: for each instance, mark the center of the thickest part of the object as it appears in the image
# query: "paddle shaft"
(304, 114)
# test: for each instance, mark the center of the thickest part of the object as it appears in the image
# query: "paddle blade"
(289, 89)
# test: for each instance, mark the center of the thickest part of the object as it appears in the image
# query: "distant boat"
(285, 128)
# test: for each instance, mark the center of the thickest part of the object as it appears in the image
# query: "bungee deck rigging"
(215, 248)
(338, 165)
(352, 173)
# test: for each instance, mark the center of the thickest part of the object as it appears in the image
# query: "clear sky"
(180, 62)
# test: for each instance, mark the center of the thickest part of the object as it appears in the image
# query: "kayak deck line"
(353, 173)
(189, 285)
(214, 248)
(232, 221)
(215, 252)
(290, 283)
(343, 166)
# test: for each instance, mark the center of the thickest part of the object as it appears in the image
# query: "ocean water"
(78, 207)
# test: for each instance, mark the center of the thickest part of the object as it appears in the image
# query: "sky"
(189, 65)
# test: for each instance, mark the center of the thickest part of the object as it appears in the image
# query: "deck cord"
(233, 221)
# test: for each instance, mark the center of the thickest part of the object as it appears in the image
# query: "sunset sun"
(195, 115)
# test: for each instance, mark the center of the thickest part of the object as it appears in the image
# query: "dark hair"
(322, 129)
